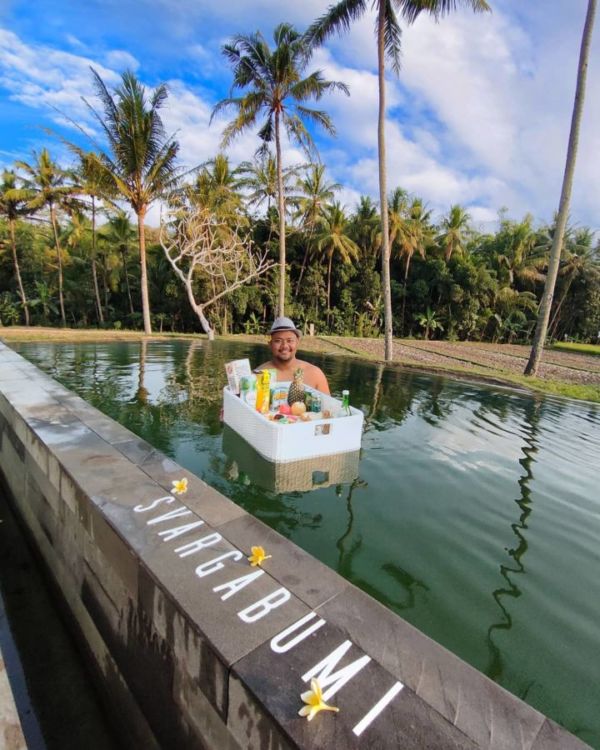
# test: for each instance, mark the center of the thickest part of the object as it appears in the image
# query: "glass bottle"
(346, 403)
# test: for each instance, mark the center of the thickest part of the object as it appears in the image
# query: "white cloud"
(121, 60)
(479, 115)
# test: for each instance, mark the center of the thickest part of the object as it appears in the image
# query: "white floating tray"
(292, 442)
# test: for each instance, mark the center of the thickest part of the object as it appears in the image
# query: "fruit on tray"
(298, 408)
(296, 392)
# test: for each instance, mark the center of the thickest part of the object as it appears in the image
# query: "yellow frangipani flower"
(180, 486)
(257, 556)
(314, 701)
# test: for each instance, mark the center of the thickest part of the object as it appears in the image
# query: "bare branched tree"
(197, 244)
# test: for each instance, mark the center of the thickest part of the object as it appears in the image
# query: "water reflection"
(426, 520)
(292, 476)
(503, 595)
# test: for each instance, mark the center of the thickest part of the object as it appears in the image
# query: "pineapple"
(296, 392)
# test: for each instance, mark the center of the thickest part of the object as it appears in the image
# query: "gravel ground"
(562, 366)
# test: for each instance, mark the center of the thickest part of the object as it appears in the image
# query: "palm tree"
(259, 176)
(415, 233)
(119, 232)
(366, 229)
(397, 211)
(12, 209)
(315, 193)
(521, 256)
(565, 196)
(339, 18)
(276, 90)
(92, 181)
(140, 162)
(429, 322)
(332, 239)
(45, 186)
(454, 226)
(216, 189)
(578, 259)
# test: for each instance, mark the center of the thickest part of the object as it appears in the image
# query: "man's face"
(283, 346)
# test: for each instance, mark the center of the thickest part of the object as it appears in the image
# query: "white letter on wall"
(179, 530)
(280, 648)
(205, 569)
(168, 499)
(237, 584)
(324, 668)
(377, 709)
(183, 511)
(256, 611)
(191, 547)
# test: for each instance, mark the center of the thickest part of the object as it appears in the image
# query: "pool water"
(474, 511)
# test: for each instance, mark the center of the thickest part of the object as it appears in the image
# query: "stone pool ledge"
(192, 646)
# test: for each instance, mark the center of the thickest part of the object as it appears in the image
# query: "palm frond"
(392, 34)
(338, 17)
(411, 9)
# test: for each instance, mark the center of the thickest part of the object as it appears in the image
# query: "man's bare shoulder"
(314, 376)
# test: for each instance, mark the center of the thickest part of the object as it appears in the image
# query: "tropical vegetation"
(76, 248)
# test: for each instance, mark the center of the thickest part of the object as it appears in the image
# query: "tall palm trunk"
(94, 271)
(565, 196)
(385, 240)
(329, 287)
(304, 262)
(13, 244)
(281, 204)
(408, 257)
(141, 214)
(61, 301)
(124, 257)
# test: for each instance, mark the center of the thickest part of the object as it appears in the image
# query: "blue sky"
(479, 115)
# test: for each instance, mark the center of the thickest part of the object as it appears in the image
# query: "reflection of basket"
(302, 476)
(294, 442)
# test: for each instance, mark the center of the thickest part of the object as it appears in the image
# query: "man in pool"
(283, 342)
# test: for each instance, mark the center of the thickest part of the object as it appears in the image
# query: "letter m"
(323, 670)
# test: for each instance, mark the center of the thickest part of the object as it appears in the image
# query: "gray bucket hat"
(284, 324)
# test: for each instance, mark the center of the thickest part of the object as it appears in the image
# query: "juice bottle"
(263, 391)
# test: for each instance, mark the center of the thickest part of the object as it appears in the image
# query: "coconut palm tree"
(454, 230)
(577, 261)
(415, 233)
(140, 160)
(339, 17)
(428, 320)
(314, 194)
(216, 189)
(275, 89)
(12, 209)
(119, 233)
(521, 257)
(93, 182)
(565, 196)
(333, 238)
(259, 177)
(397, 215)
(366, 229)
(45, 185)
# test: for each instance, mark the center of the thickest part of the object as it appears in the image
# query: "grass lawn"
(581, 348)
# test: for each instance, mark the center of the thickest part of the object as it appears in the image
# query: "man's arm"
(320, 381)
